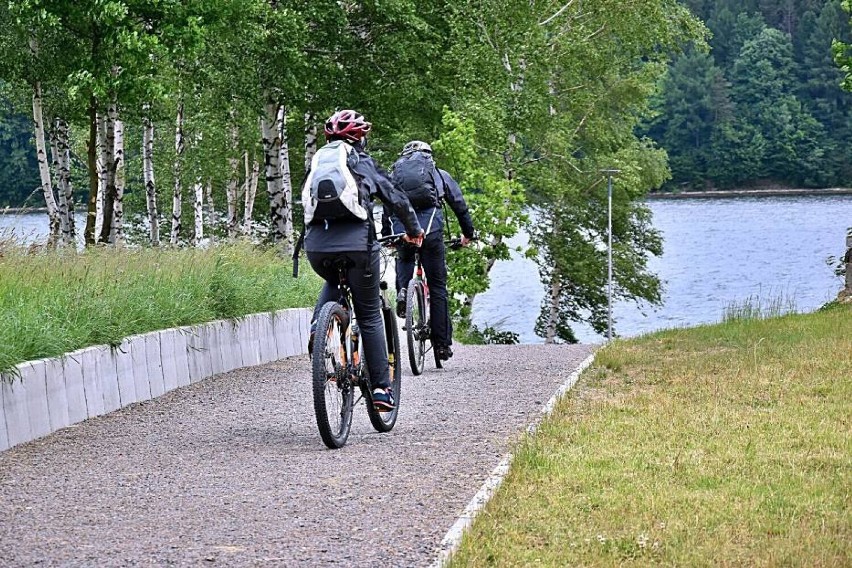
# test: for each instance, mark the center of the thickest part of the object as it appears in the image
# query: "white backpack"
(331, 191)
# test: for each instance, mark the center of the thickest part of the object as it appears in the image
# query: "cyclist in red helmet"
(354, 238)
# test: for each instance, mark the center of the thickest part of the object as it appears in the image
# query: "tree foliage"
(777, 114)
(526, 102)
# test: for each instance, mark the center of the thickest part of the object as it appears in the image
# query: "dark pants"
(433, 258)
(364, 284)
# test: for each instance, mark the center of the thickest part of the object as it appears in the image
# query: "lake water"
(716, 252)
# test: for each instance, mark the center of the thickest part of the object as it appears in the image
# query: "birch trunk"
(310, 138)
(109, 176)
(198, 233)
(286, 183)
(43, 166)
(65, 189)
(210, 206)
(117, 233)
(102, 175)
(92, 162)
(271, 157)
(176, 195)
(60, 195)
(231, 188)
(251, 190)
(197, 195)
(552, 308)
(148, 176)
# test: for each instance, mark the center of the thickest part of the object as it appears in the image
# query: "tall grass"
(55, 302)
(759, 307)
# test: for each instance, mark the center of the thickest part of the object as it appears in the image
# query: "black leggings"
(364, 284)
(433, 258)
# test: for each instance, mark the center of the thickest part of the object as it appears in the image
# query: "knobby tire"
(385, 421)
(332, 397)
(415, 325)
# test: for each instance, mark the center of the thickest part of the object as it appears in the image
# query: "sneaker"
(400, 303)
(444, 353)
(383, 400)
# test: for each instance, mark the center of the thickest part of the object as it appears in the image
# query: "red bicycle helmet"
(347, 124)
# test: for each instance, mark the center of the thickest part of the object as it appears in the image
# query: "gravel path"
(231, 471)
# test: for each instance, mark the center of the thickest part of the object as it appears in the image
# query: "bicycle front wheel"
(385, 421)
(415, 327)
(333, 389)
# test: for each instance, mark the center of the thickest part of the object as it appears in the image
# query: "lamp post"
(609, 173)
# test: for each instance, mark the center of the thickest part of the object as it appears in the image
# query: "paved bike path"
(231, 471)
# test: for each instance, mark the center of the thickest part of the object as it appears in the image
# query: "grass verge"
(724, 445)
(53, 303)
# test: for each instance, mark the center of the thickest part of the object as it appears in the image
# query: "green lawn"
(53, 303)
(724, 445)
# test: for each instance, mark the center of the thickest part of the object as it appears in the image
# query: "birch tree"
(271, 157)
(286, 183)
(148, 176)
(119, 179)
(251, 189)
(43, 165)
(177, 193)
(65, 189)
(232, 195)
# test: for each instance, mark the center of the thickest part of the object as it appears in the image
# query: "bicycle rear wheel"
(385, 421)
(415, 327)
(333, 389)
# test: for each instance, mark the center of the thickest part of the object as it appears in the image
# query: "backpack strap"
(296, 250)
(444, 183)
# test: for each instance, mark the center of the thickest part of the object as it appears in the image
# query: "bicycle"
(418, 326)
(339, 366)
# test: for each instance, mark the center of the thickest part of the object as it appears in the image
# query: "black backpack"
(415, 175)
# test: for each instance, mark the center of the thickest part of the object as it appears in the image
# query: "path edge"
(50, 394)
(452, 540)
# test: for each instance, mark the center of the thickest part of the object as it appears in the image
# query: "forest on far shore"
(764, 106)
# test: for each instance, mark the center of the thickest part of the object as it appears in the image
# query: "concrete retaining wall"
(54, 393)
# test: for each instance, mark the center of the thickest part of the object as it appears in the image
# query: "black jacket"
(357, 235)
(451, 193)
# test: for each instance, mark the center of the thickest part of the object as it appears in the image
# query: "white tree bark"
(231, 187)
(64, 187)
(148, 176)
(286, 183)
(198, 191)
(211, 207)
(310, 138)
(271, 159)
(43, 166)
(176, 195)
(251, 190)
(117, 233)
(60, 196)
(198, 195)
(107, 232)
(102, 176)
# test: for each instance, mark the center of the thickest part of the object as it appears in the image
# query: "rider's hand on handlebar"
(416, 241)
(465, 241)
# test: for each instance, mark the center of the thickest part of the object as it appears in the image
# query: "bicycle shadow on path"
(232, 471)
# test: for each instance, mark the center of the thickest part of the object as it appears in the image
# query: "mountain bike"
(339, 367)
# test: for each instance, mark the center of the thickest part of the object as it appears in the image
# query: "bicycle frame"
(352, 340)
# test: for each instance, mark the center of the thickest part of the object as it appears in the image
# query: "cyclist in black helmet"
(426, 185)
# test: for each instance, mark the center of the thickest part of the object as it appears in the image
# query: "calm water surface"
(716, 252)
